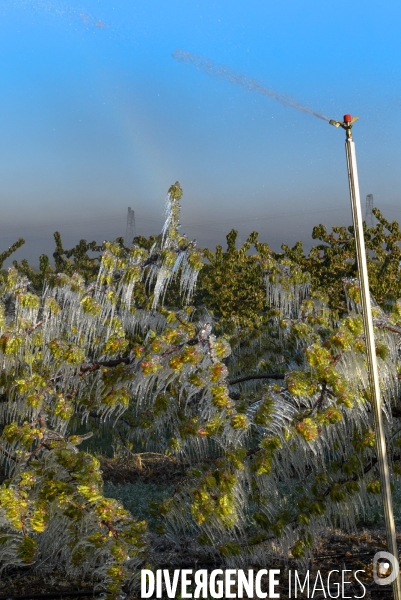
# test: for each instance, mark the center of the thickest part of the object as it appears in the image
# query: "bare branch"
(250, 377)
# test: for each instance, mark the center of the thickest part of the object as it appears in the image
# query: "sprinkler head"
(346, 124)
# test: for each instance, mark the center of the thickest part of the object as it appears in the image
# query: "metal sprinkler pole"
(370, 342)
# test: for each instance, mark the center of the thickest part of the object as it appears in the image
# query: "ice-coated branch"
(256, 376)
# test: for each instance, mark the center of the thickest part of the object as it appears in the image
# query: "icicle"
(286, 290)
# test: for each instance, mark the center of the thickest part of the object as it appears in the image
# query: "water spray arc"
(251, 85)
(62, 10)
(370, 341)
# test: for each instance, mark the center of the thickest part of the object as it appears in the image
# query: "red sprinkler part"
(346, 124)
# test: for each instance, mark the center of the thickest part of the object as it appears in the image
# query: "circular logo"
(382, 568)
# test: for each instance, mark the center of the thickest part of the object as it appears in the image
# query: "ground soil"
(146, 467)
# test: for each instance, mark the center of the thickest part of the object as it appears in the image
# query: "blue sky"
(96, 116)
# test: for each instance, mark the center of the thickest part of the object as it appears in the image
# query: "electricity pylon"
(130, 229)
(369, 211)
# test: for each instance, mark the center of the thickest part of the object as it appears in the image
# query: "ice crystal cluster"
(278, 430)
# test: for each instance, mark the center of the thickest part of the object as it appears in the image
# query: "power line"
(8, 230)
(266, 217)
(201, 223)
